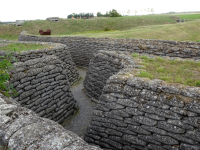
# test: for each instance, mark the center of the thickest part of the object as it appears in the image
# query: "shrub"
(5, 65)
(106, 29)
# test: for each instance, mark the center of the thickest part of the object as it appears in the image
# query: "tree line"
(112, 13)
(81, 15)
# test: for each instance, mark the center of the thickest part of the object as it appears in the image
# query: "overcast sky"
(11, 10)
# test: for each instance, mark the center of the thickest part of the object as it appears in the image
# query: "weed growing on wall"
(5, 65)
(135, 55)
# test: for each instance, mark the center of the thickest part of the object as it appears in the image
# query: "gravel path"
(79, 122)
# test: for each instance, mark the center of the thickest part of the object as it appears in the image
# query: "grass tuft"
(145, 74)
(160, 69)
(135, 55)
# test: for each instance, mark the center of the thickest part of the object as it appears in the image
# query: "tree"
(75, 15)
(79, 15)
(114, 13)
(145, 10)
(92, 15)
(148, 10)
(152, 10)
(99, 14)
(70, 16)
(135, 11)
(107, 14)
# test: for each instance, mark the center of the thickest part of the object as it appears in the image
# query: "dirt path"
(79, 122)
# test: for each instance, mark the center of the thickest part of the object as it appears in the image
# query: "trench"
(79, 122)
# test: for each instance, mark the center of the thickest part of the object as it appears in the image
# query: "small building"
(53, 19)
(19, 22)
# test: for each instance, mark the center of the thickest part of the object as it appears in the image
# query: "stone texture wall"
(43, 87)
(83, 48)
(139, 113)
(103, 65)
(59, 50)
(21, 128)
(42, 79)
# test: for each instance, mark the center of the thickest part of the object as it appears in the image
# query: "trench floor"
(81, 120)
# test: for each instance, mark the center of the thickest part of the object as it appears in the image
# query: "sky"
(11, 10)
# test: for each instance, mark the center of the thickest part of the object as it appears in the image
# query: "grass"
(80, 26)
(187, 31)
(162, 27)
(171, 71)
(189, 16)
(23, 47)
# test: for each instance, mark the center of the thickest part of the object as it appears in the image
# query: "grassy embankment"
(23, 47)
(171, 71)
(162, 27)
(79, 26)
(189, 17)
(187, 31)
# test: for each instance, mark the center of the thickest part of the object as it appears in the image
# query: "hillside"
(75, 26)
(138, 27)
(187, 31)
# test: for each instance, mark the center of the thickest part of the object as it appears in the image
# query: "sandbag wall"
(83, 48)
(103, 65)
(59, 50)
(42, 81)
(43, 88)
(21, 128)
(140, 114)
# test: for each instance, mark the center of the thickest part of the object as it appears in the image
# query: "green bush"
(5, 66)
(106, 29)
(114, 13)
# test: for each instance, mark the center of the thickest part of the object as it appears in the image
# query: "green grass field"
(23, 47)
(189, 16)
(77, 26)
(137, 27)
(187, 31)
